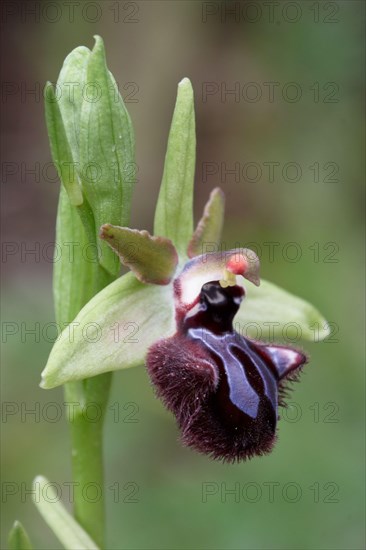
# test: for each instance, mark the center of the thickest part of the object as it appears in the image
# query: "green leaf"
(209, 227)
(18, 538)
(152, 259)
(174, 210)
(113, 331)
(63, 525)
(269, 312)
(60, 148)
(107, 151)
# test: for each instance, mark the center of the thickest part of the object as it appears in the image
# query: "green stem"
(87, 400)
(87, 405)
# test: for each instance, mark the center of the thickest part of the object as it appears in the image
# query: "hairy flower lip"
(224, 389)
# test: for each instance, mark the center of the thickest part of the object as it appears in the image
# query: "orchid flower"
(176, 312)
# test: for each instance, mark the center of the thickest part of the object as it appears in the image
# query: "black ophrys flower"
(174, 312)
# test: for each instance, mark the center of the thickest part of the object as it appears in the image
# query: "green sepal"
(152, 259)
(113, 331)
(174, 209)
(270, 313)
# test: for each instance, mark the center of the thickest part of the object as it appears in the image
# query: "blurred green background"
(316, 471)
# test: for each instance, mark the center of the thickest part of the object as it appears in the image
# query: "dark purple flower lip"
(224, 389)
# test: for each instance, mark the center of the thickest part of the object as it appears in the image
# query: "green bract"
(174, 214)
(117, 326)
